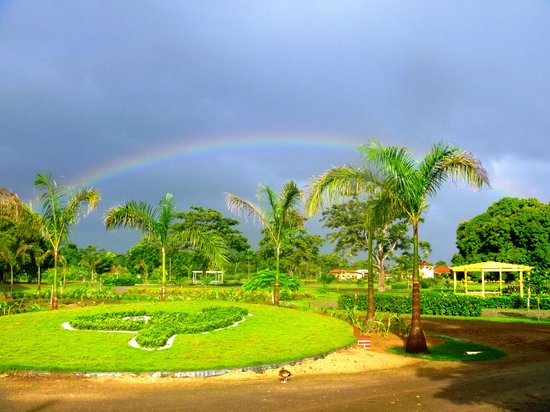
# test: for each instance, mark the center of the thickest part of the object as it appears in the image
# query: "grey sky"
(269, 91)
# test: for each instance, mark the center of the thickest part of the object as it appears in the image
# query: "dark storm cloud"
(83, 83)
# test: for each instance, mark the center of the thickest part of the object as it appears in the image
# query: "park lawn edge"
(272, 336)
(453, 350)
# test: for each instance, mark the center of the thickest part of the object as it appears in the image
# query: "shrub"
(432, 303)
(155, 328)
(124, 279)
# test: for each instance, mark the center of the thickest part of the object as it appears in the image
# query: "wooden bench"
(364, 342)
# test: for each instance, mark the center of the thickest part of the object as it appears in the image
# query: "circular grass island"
(268, 336)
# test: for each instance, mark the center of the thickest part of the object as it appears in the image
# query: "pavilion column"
(465, 282)
(482, 284)
(454, 279)
(521, 283)
(500, 282)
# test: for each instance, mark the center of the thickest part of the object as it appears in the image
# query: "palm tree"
(61, 208)
(347, 181)
(39, 258)
(12, 253)
(410, 182)
(155, 223)
(276, 217)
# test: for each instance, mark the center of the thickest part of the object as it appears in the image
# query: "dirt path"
(349, 380)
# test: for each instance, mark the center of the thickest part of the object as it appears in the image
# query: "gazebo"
(491, 267)
(218, 276)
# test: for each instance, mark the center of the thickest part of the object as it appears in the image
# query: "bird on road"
(284, 375)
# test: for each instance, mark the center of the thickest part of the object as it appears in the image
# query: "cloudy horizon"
(144, 98)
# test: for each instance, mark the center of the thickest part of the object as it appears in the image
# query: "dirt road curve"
(519, 382)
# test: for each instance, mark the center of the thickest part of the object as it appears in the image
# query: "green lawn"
(36, 341)
(454, 350)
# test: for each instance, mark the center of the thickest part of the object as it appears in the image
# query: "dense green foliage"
(443, 303)
(156, 327)
(265, 279)
(433, 303)
(511, 230)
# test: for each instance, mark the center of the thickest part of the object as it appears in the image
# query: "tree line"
(391, 183)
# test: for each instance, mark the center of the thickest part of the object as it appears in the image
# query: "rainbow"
(185, 149)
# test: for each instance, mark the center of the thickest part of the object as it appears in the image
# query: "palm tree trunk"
(276, 289)
(163, 287)
(416, 342)
(370, 290)
(38, 287)
(11, 279)
(55, 301)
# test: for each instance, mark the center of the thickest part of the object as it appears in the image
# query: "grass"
(454, 350)
(37, 342)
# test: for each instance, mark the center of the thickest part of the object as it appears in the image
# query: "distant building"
(426, 270)
(346, 274)
(442, 270)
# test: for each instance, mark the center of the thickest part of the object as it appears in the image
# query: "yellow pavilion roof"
(491, 267)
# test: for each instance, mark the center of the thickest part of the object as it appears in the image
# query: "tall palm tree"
(155, 224)
(276, 217)
(410, 182)
(61, 208)
(341, 182)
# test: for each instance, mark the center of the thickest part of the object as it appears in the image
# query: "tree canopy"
(511, 230)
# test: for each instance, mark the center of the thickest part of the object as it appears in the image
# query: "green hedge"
(442, 303)
(431, 303)
(514, 302)
(155, 328)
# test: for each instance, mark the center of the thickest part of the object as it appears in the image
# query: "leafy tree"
(265, 279)
(71, 253)
(409, 183)
(40, 256)
(155, 224)
(10, 205)
(298, 253)
(511, 230)
(275, 215)
(11, 252)
(143, 258)
(97, 261)
(212, 221)
(61, 208)
(330, 261)
(351, 235)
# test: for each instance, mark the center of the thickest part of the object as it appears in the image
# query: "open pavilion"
(490, 267)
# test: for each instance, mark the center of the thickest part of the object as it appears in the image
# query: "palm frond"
(132, 215)
(339, 183)
(245, 208)
(10, 204)
(210, 244)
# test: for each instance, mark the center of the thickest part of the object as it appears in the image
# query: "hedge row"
(200, 293)
(441, 303)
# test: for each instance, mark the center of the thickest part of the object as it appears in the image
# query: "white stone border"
(133, 343)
